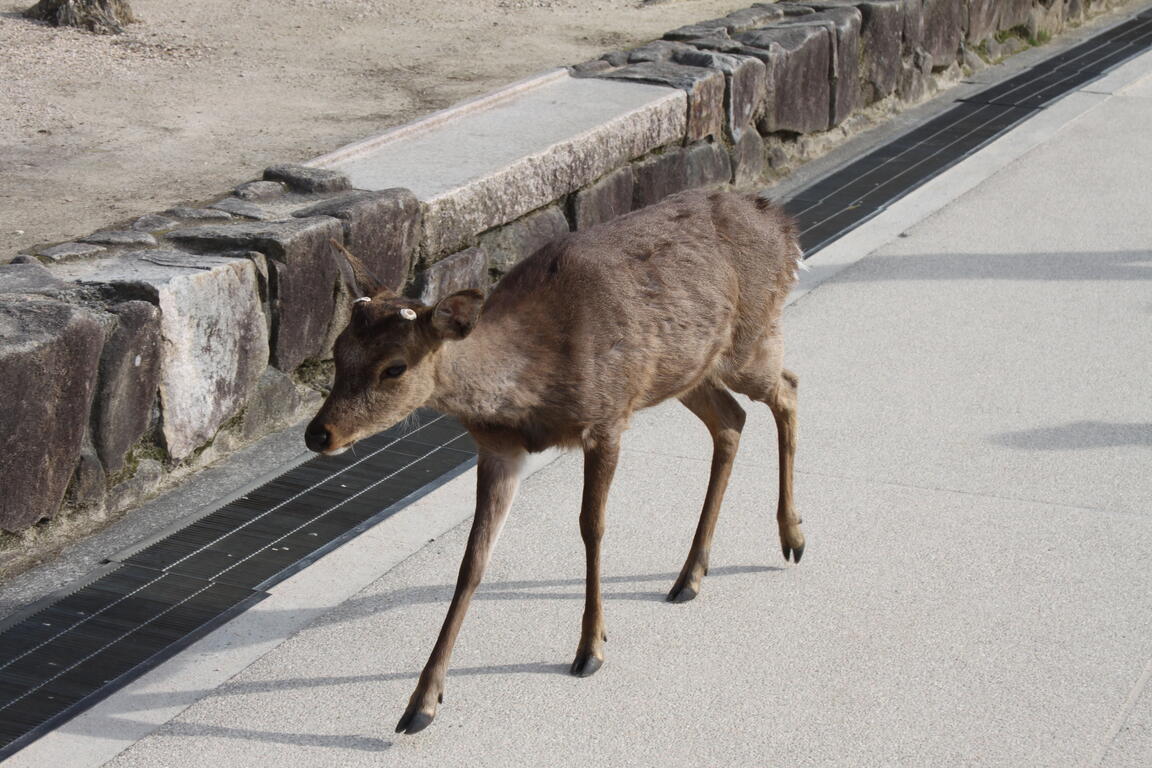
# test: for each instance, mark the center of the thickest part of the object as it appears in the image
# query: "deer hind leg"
(600, 456)
(766, 380)
(725, 419)
(497, 478)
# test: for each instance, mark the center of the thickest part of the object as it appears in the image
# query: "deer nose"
(317, 437)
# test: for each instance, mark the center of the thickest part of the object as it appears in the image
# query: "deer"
(682, 299)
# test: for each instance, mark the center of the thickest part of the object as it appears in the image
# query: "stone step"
(489, 161)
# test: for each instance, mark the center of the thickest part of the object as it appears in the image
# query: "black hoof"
(795, 552)
(586, 665)
(414, 722)
(681, 594)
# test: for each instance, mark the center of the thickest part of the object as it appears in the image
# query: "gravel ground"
(203, 94)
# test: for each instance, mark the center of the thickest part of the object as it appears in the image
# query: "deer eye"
(393, 371)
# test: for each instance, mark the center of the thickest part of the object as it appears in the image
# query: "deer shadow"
(364, 607)
(99, 727)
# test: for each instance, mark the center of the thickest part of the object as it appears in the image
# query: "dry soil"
(200, 95)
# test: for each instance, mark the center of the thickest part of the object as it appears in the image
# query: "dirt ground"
(203, 94)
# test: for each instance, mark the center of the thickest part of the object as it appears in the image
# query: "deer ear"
(455, 316)
(358, 278)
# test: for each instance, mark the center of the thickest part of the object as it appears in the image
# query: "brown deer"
(681, 299)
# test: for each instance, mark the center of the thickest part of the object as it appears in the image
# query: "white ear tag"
(408, 314)
(362, 298)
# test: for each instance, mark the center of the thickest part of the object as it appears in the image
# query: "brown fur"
(682, 299)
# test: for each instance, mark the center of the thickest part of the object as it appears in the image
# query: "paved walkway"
(976, 438)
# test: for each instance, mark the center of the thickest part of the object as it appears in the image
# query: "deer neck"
(478, 378)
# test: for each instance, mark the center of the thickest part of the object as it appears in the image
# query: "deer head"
(386, 358)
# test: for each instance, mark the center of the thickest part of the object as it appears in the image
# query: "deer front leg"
(600, 457)
(497, 477)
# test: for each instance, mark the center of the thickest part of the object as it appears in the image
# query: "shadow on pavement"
(362, 607)
(522, 590)
(1111, 265)
(1077, 436)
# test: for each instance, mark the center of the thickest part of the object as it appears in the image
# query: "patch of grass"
(233, 424)
(145, 448)
(316, 374)
(1021, 32)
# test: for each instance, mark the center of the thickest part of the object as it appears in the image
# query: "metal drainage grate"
(865, 187)
(75, 652)
(265, 536)
(855, 193)
(135, 613)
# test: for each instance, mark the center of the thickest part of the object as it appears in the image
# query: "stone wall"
(143, 352)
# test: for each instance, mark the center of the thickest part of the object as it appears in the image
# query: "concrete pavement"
(975, 444)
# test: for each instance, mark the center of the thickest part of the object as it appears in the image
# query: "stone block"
(913, 37)
(1046, 20)
(657, 177)
(125, 237)
(381, 228)
(973, 61)
(153, 222)
(303, 273)
(706, 165)
(87, 489)
(748, 159)
(259, 190)
(29, 277)
(704, 87)
(214, 342)
(466, 269)
(615, 58)
(881, 34)
(242, 209)
(272, 405)
(130, 492)
(198, 214)
(129, 380)
(719, 44)
(603, 200)
(943, 30)
(744, 85)
(70, 251)
(514, 151)
(657, 50)
(514, 242)
(302, 178)
(982, 18)
(1074, 11)
(1013, 13)
(45, 413)
(843, 25)
(589, 68)
(693, 31)
(798, 97)
(916, 81)
(1011, 46)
